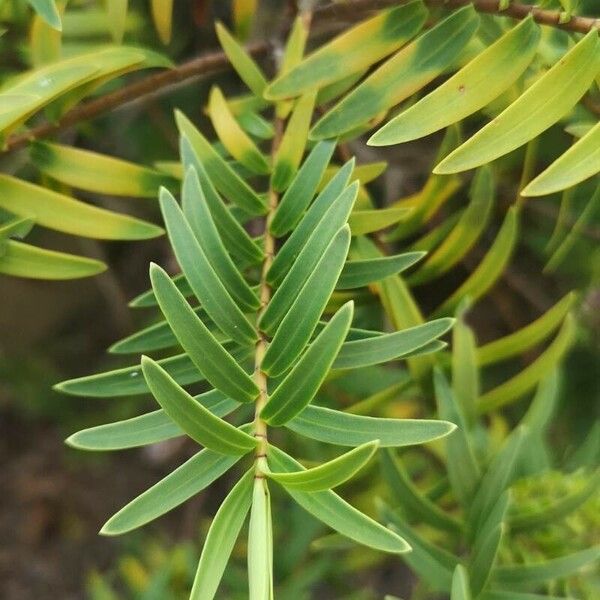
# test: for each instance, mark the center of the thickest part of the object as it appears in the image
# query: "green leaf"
(577, 164)
(463, 470)
(57, 211)
(234, 236)
(148, 299)
(96, 172)
(489, 269)
(116, 16)
(145, 429)
(538, 108)
(303, 231)
(225, 179)
(241, 61)
(410, 498)
(526, 337)
(23, 260)
(162, 15)
(465, 234)
(299, 387)
(367, 221)
(496, 479)
(389, 346)
(305, 264)
(203, 279)
(196, 211)
(557, 511)
(196, 420)
(184, 482)
(345, 429)
(259, 551)
(222, 535)
(497, 595)
(336, 513)
(358, 273)
(291, 148)
(432, 564)
(48, 11)
(460, 584)
(411, 69)
(352, 51)
(467, 91)
(481, 565)
(212, 360)
(299, 323)
(18, 227)
(301, 190)
(526, 379)
(541, 572)
(330, 474)
(232, 136)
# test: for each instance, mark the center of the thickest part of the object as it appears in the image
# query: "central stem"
(260, 377)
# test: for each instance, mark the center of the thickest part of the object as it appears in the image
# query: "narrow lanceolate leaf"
(577, 164)
(526, 337)
(535, 573)
(301, 190)
(465, 234)
(389, 346)
(358, 273)
(410, 498)
(23, 260)
(289, 153)
(463, 470)
(496, 479)
(147, 299)
(213, 361)
(18, 227)
(149, 428)
(196, 420)
(232, 136)
(345, 429)
(59, 212)
(48, 11)
(96, 172)
(116, 12)
(335, 512)
(499, 595)
(305, 264)
(352, 51)
(528, 378)
(162, 15)
(201, 276)
(197, 212)
(469, 90)
(304, 230)
(537, 109)
(329, 474)
(241, 61)
(465, 374)
(222, 535)
(234, 236)
(225, 179)
(259, 552)
(402, 75)
(366, 221)
(481, 565)
(298, 325)
(460, 584)
(430, 562)
(298, 389)
(489, 269)
(184, 482)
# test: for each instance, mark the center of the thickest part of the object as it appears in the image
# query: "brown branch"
(208, 64)
(214, 62)
(352, 10)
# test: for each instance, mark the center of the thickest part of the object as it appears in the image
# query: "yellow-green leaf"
(352, 51)
(538, 108)
(59, 212)
(96, 172)
(117, 14)
(162, 15)
(469, 90)
(48, 11)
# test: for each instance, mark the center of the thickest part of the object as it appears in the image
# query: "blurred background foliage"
(55, 498)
